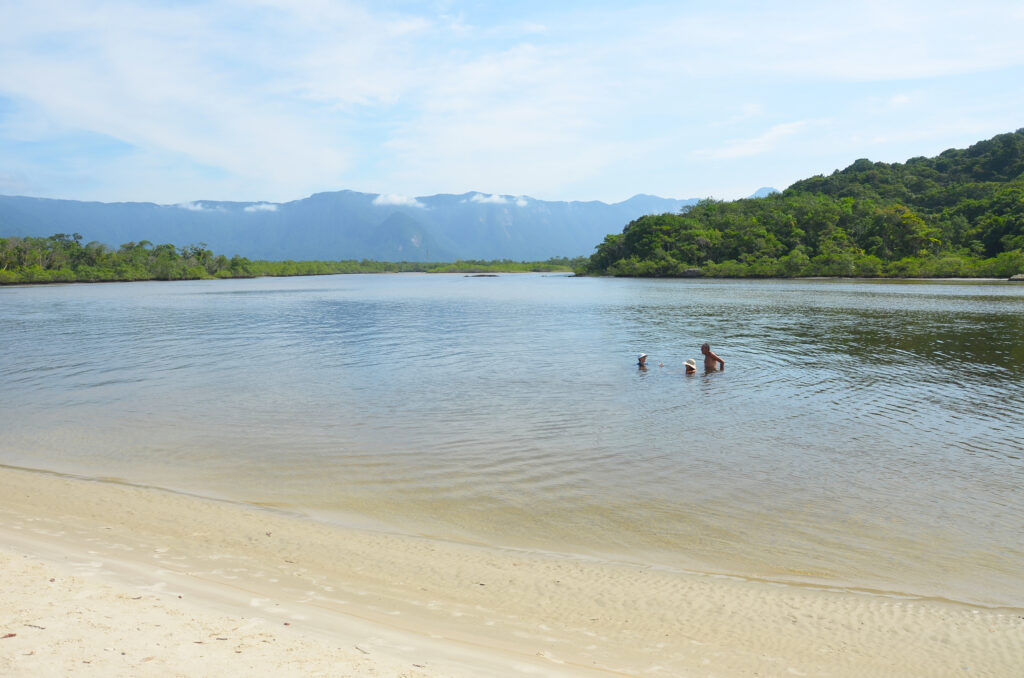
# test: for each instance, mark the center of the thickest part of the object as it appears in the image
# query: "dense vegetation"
(958, 214)
(63, 258)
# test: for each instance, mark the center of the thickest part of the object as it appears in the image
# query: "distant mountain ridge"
(346, 225)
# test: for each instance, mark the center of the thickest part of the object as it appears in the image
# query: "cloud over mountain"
(346, 225)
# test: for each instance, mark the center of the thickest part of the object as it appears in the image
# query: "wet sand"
(115, 580)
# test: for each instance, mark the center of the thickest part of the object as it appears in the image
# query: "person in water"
(691, 366)
(641, 361)
(711, 361)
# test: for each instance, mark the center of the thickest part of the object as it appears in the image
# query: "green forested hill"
(958, 214)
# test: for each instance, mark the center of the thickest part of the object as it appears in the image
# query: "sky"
(273, 100)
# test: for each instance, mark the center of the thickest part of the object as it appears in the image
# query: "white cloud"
(13, 183)
(900, 100)
(198, 206)
(489, 199)
(864, 41)
(521, 202)
(261, 207)
(742, 148)
(168, 82)
(395, 199)
(276, 99)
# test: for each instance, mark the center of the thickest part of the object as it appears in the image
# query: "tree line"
(960, 214)
(64, 258)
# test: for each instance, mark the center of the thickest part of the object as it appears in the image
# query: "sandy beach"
(103, 578)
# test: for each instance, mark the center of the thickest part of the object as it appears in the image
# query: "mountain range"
(346, 225)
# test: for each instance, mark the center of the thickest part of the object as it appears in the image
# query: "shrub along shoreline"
(62, 258)
(843, 265)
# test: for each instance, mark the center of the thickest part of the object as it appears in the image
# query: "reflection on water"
(863, 433)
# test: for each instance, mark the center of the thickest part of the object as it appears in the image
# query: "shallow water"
(864, 434)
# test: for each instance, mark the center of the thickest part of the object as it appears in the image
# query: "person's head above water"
(641, 358)
(704, 348)
(691, 366)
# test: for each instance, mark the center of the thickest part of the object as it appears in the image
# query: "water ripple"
(861, 434)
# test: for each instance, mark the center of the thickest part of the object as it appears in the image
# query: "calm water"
(863, 434)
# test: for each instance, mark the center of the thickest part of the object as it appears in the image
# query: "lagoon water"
(864, 434)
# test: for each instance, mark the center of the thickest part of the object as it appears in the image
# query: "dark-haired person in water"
(711, 361)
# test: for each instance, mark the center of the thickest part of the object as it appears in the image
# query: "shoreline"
(469, 273)
(140, 581)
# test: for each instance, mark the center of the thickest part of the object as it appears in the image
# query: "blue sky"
(273, 100)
